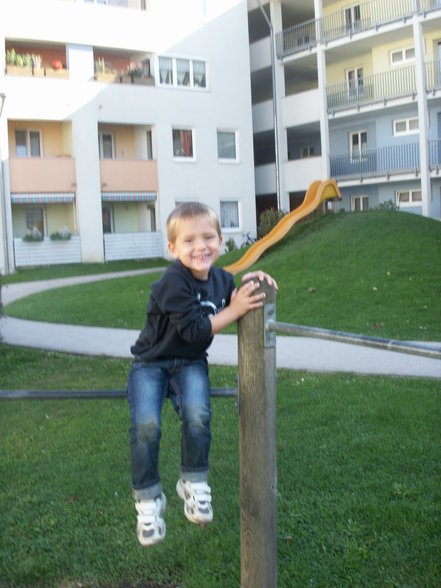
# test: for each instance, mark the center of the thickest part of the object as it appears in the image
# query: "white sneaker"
(151, 526)
(197, 498)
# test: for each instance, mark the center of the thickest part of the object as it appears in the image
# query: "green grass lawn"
(359, 483)
(375, 273)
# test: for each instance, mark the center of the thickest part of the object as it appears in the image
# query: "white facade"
(81, 115)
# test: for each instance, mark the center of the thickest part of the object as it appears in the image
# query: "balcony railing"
(128, 175)
(435, 154)
(433, 76)
(396, 83)
(383, 161)
(45, 174)
(348, 21)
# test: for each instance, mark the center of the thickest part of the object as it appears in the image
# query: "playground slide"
(318, 192)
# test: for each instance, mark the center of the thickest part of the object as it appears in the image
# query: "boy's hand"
(242, 300)
(261, 276)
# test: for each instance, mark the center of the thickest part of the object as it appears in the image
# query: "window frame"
(101, 144)
(355, 86)
(104, 207)
(412, 201)
(362, 153)
(173, 78)
(33, 209)
(184, 158)
(404, 58)
(363, 199)
(227, 201)
(408, 130)
(306, 151)
(235, 133)
(28, 133)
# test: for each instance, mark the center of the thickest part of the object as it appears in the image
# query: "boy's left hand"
(261, 276)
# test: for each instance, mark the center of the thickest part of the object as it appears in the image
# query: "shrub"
(230, 245)
(268, 220)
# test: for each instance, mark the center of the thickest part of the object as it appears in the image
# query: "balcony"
(47, 252)
(128, 175)
(347, 22)
(383, 161)
(36, 60)
(395, 83)
(46, 174)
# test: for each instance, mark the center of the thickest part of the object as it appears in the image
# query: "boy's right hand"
(242, 300)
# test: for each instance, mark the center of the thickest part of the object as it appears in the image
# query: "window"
(408, 197)
(226, 145)
(183, 143)
(229, 214)
(179, 72)
(354, 79)
(307, 151)
(149, 153)
(183, 72)
(402, 55)
(107, 212)
(359, 203)
(35, 219)
(358, 145)
(165, 70)
(106, 146)
(352, 18)
(199, 76)
(406, 126)
(27, 143)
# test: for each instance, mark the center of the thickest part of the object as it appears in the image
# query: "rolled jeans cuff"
(192, 476)
(148, 493)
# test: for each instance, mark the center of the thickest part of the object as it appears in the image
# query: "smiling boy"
(191, 302)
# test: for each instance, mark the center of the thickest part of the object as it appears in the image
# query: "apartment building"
(114, 112)
(357, 97)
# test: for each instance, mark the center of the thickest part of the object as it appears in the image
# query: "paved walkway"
(301, 353)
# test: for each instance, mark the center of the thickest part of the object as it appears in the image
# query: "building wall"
(71, 111)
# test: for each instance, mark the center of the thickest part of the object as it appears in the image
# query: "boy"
(189, 304)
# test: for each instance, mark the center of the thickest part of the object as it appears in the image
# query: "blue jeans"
(186, 383)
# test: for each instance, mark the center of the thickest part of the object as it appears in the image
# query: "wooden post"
(257, 446)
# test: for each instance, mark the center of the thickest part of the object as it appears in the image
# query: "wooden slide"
(318, 192)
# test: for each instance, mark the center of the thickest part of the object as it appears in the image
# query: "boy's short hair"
(189, 210)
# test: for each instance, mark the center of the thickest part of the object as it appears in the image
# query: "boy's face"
(197, 245)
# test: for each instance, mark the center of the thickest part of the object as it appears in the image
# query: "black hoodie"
(178, 311)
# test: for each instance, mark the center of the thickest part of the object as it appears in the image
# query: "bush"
(230, 245)
(268, 220)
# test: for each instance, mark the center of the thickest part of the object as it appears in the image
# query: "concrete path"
(300, 353)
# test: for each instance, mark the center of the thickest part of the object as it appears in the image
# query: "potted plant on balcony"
(104, 72)
(18, 64)
(56, 69)
(33, 235)
(37, 70)
(61, 235)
